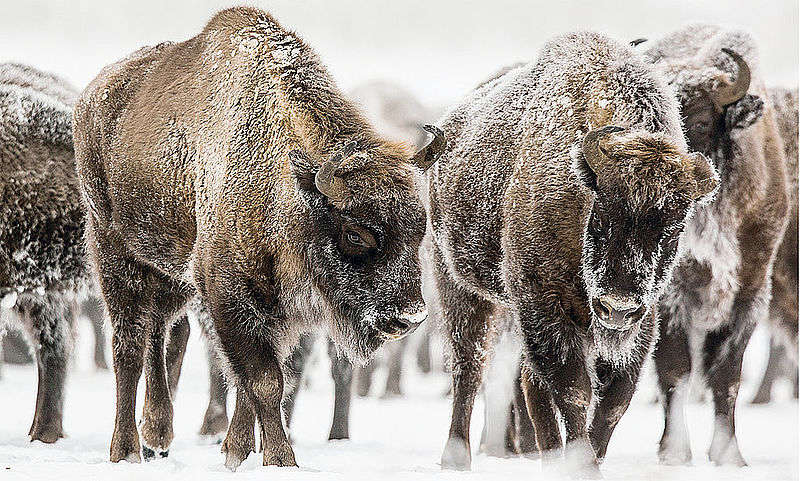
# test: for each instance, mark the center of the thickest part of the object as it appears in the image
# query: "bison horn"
(636, 42)
(326, 181)
(591, 144)
(426, 156)
(729, 94)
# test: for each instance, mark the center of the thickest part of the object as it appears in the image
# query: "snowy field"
(391, 439)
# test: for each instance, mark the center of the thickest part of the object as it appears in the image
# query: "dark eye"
(355, 239)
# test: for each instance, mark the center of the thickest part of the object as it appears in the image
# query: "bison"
(722, 285)
(43, 273)
(561, 197)
(231, 166)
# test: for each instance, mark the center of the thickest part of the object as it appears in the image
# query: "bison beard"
(261, 188)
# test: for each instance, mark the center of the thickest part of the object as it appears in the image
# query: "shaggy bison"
(561, 197)
(230, 165)
(43, 273)
(722, 285)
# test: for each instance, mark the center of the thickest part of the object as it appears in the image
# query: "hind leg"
(48, 323)
(541, 411)
(295, 366)
(771, 373)
(140, 302)
(526, 434)
(176, 348)
(215, 420)
(93, 310)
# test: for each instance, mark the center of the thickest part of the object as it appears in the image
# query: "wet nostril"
(635, 314)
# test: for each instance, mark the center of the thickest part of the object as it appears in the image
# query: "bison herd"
(604, 203)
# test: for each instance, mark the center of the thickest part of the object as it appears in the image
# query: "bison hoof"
(125, 447)
(338, 434)
(726, 455)
(674, 452)
(281, 455)
(214, 424)
(236, 450)
(46, 434)
(456, 455)
(151, 454)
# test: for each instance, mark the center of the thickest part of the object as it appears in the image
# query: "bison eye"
(357, 241)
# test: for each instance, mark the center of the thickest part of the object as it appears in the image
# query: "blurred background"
(437, 49)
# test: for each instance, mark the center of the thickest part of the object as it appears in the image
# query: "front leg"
(467, 318)
(614, 396)
(722, 361)
(256, 369)
(561, 368)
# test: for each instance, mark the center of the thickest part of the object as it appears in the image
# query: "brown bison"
(43, 273)
(561, 196)
(230, 165)
(722, 286)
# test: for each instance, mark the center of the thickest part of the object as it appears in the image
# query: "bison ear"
(706, 178)
(581, 168)
(744, 112)
(304, 171)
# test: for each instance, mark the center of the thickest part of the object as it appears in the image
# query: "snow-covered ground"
(391, 439)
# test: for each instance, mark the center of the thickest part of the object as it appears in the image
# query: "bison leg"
(542, 414)
(157, 414)
(215, 421)
(423, 352)
(176, 348)
(240, 441)
(93, 310)
(255, 368)
(295, 367)
(363, 377)
(342, 373)
(563, 372)
(722, 362)
(771, 373)
(526, 434)
(614, 396)
(395, 355)
(467, 319)
(673, 367)
(50, 328)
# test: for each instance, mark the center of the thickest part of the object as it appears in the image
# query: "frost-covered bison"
(231, 165)
(561, 195)
(721, 287)
(43, 273)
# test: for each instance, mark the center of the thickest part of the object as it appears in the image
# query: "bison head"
(366, 223)
(713, 105)
(645, 187)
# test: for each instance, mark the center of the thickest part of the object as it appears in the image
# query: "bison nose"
(400, 327)
(617, 313)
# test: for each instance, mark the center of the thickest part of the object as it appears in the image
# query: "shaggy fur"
(722, 285)
(43, 272)
(524, 218)
(198, 163)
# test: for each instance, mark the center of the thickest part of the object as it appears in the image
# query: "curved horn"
(426, 156)
(591, 146)
(731, 93)
(326, 181)
(637, 41)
